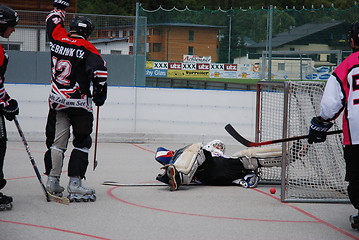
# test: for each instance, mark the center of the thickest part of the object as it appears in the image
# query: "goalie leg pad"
(249, 163)
(188, 162)
(252, 158)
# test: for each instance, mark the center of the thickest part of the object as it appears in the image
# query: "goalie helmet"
(83, 26)
(354, 33)
(215, 146)
(8, 18)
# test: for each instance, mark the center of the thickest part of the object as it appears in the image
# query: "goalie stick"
(49, 197)
(248, 143)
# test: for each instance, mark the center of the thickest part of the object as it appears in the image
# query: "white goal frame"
(284, 109)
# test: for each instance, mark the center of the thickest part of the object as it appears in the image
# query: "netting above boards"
(244, 32)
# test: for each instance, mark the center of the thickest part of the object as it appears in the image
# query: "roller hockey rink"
(150, 211)
(139, 207)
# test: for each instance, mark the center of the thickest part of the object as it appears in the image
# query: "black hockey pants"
(351, 153)
(59, 122)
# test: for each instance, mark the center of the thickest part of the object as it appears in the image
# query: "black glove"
(61, 4)
(11, 110)
(318, 130)
(99, 94)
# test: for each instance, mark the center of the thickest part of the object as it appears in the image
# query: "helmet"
(215, 145)
(8, 18)
(354, 33)
(82, 26)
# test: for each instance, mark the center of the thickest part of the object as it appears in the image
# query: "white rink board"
(148, 114)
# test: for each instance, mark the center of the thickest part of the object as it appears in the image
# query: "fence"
(247, 38)
(266, 43)
(114, 36)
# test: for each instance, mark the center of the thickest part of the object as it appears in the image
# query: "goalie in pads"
(210, 166)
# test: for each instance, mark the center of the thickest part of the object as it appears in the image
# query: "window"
(8, 46)
(281, 66)
(191, 36)
(190, 50)
(116, 52)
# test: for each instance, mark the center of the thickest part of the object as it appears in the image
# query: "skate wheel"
(77, 200)
(93, 198)
(85, 199)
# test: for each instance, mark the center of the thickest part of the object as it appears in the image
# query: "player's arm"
(57, 16)
(331, 106)
(98, 74)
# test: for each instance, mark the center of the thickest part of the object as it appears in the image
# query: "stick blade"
(230, 129)
(57, 199)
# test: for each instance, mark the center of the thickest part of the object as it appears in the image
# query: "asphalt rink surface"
(153, 212)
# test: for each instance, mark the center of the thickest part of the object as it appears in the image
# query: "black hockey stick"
(96, 136)
(248, 143)
(49, 197)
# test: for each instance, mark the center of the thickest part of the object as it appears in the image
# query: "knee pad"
(83, 142)
(188, 162)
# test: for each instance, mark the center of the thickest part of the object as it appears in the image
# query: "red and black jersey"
(75, 64)
(4, 59)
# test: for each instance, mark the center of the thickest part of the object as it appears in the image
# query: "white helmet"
(215, 146)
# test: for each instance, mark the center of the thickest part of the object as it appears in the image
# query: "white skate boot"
(53, 186)
(79, 193)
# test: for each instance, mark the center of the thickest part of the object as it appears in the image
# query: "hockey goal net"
(309, 172)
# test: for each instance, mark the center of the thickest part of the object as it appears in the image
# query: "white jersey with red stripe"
(75, 64)
(341, 94)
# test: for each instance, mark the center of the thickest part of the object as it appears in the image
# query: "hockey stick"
(112, 183)
(248, 143)
(49, 197)
(150, 184)
(96, 135)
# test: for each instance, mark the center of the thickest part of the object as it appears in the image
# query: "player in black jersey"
(75, 65)
(8, 106)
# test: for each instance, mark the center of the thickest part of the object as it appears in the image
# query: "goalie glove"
(61, 4)
(99, 94)
(318, 129)
(11, 110)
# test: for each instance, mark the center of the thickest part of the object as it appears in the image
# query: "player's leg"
(185, 166)
(352, 176)
(82, 122)
(57, 150)
(5, 201)
(255, 157)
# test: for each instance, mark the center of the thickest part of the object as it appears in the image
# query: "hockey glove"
(99, 94)
(11, 110)
(318, 130)
(61, 4)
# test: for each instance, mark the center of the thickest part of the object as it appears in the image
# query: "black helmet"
(82, 26)
(8, 18)
(354, 33)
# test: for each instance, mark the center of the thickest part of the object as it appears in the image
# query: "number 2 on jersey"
(61, 70)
